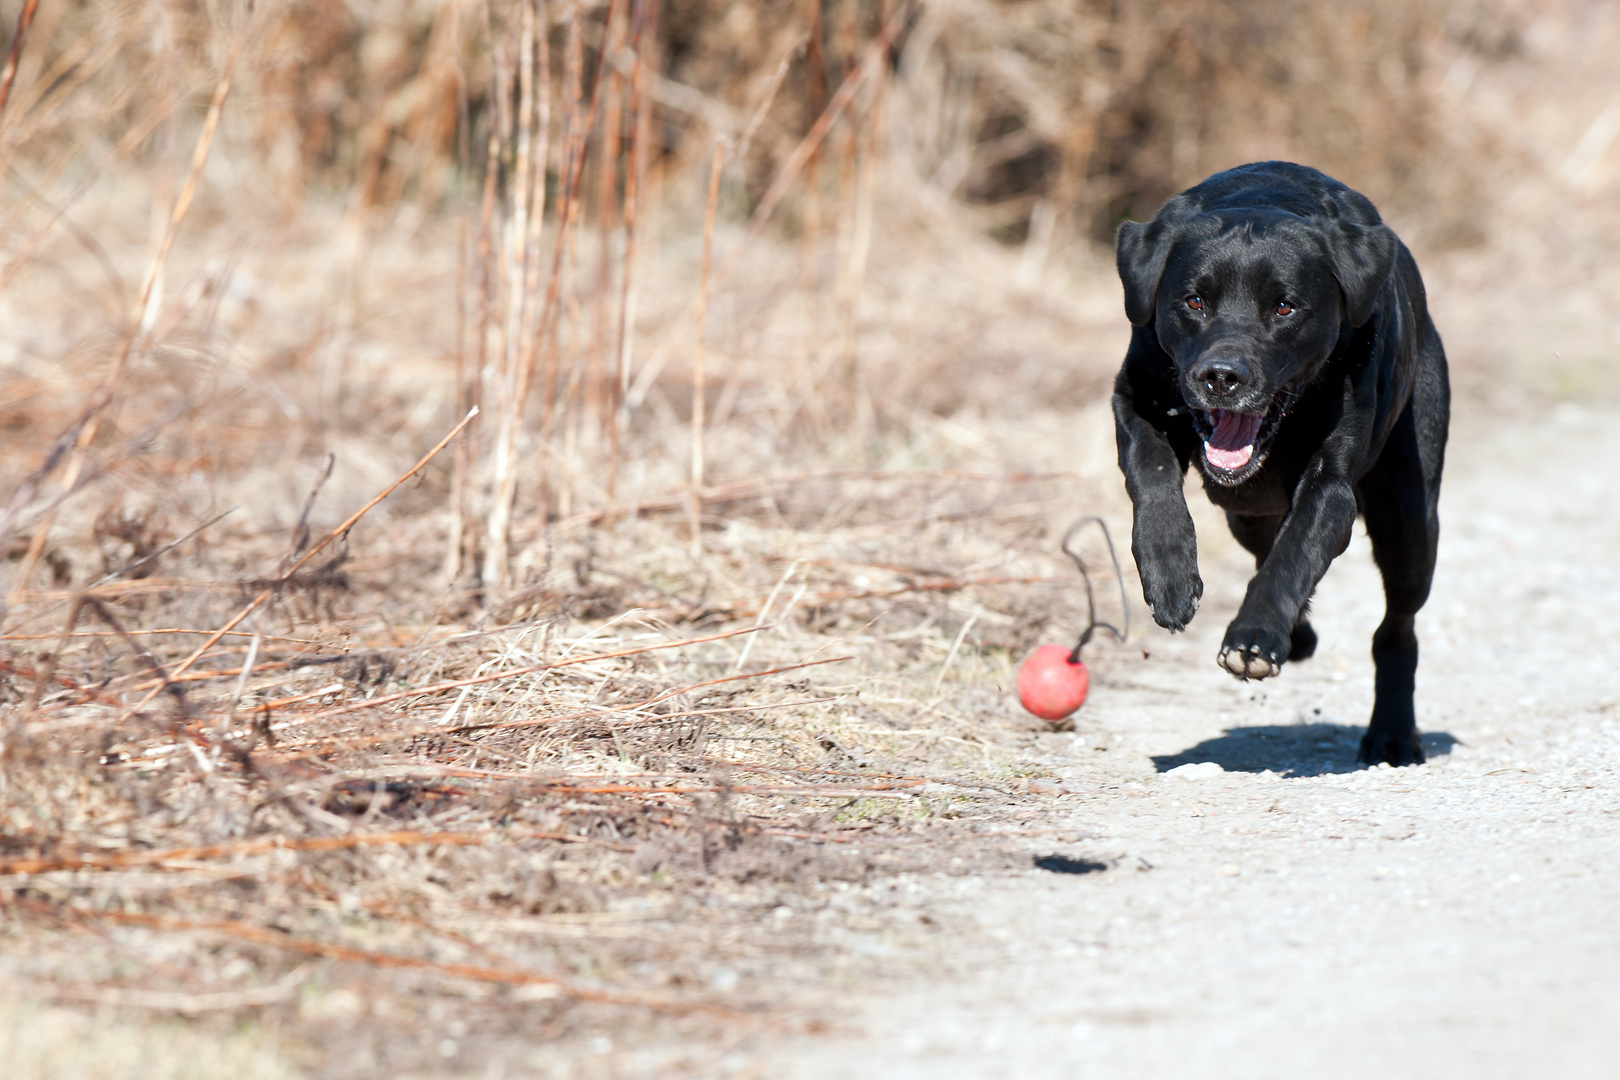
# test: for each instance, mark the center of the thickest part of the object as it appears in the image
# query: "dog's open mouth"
(1235, 443)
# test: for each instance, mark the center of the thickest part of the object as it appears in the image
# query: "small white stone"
(1197, 770)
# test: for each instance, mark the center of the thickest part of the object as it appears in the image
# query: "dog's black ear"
(1140, 251)
(1362, 250)
(1363, 258)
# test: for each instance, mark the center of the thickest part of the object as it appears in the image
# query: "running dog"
(1281, 340)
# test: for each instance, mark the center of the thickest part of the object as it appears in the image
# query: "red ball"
(1050, 686)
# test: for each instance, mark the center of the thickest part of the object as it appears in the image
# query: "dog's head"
(1248, 280)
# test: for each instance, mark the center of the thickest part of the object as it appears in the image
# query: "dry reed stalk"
(491, 337)
(557, 468)
(39, 111)
(79, 434)
(860, 247)
(47, 669)
(42, 531)
(142, 653)
(872, 58)
(699, 374)
(808, 146)
(733, 385)
(26, 253)
(810, 244)
(74, 67)
(466, 394)
(574, 408)
(849, 136)
(515, 267)
(313, 550)
(300, 537)
(597, 397)
(425, 118)
(578, 125)
(24, 17)
(643, 38)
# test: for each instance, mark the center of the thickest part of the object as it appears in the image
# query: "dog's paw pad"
(1250, 663)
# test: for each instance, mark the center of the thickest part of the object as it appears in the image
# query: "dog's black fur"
(1273, 294)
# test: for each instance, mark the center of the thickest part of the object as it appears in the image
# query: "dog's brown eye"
(1284, 308)
(1196, 303)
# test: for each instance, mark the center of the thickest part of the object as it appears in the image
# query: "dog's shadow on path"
(1289, 749)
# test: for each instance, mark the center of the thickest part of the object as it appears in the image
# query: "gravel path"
(1287, 914)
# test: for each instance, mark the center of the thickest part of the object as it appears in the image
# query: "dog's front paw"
(1396, 747)
(1172, 598)
(1251, 652)
(1166, 551)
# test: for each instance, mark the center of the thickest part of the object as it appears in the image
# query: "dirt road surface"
(1280, 912)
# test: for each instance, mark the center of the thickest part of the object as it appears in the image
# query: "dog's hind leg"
(1399, 497)
(1257, 535)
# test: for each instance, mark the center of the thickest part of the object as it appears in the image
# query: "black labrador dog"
(1281, 339)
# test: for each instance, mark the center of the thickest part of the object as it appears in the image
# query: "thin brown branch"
(351, 742)
(316, 549)
(74, 437)
(502, 976)
(496, 676)
(754, 488)
(699, 388)
(813, 139)
(235, 849)
(25, 17)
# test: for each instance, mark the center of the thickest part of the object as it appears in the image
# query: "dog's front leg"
(1162, 536)
(1315, 532)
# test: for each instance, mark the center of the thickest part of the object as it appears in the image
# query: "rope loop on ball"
(1095, 624)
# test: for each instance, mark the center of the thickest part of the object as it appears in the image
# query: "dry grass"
(513, 765)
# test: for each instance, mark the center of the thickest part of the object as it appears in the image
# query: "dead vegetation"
(784, 349)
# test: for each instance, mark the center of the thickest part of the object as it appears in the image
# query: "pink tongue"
(1230, 460)
(1232, 445)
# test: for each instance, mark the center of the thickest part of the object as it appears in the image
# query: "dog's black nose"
(1222, 377)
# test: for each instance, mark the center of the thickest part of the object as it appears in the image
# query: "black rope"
(1094, 624)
